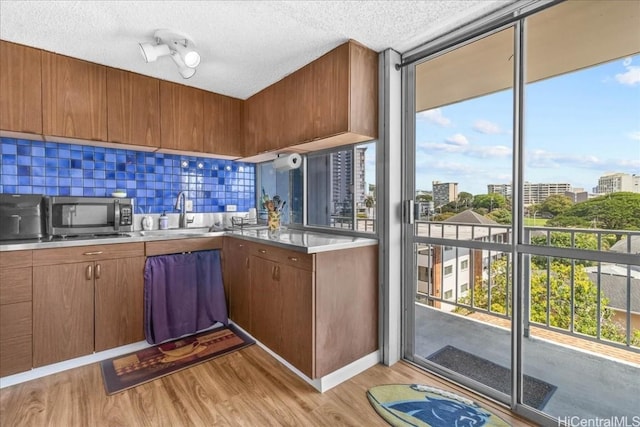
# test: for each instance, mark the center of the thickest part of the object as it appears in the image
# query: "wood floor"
(245, 388)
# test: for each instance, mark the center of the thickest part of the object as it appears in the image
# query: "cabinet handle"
(98, 271)
(276, 275)
(93, 253)
(293, 258)
(89, 272)
(240, 245)
(246, 262)
(262, 251)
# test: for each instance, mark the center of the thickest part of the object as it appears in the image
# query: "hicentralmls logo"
(577, 421)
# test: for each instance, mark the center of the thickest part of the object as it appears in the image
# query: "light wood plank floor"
(245, 388)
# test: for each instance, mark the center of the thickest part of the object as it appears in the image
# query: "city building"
(345, 182)
(444, 192)
(616, 181)
(533, 193)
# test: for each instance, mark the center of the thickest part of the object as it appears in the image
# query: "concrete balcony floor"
(593, 380)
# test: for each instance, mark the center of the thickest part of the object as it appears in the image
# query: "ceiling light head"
(175, 44)
(151, 52)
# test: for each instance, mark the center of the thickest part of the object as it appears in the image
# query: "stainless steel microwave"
(68, 216)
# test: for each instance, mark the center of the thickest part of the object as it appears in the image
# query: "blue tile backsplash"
(153, 179)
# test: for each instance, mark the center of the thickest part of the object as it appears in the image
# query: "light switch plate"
(188, 205)
(231, 208)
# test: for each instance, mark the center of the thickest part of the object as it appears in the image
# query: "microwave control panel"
(126, 215)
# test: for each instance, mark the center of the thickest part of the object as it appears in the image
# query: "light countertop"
(298, 240)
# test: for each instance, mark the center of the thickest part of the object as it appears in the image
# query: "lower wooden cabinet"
(317, 311)
(236, 262)
(15, 312)
(86, 306)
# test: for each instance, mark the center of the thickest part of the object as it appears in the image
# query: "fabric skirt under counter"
(183, 294)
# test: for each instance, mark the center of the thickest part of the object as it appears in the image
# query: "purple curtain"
(183, 293)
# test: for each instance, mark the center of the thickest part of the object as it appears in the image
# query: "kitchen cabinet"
(236, 264)
(74, 98)
(15, 312)
(133, 108)
(181, 117)
(332, 101)
(21, 88)
(86, 299)
(317, 311)
(282, 305)
(223, 117)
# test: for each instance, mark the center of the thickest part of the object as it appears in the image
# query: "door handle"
(93, 253)
(98, 271)
(89, 272)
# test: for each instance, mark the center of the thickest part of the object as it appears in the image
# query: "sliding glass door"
(523, 158)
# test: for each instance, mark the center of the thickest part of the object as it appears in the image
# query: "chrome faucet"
(181, 201)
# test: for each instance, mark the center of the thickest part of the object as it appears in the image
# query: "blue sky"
(578, 126)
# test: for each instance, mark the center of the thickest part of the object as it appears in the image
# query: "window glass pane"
(284, 184)
(464, 138)
(582, 117)
(341, 188)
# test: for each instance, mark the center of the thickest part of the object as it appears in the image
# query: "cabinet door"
(296, 331)
(133, 107)
(119, 306)
(21, 88)
(266, 304)
(74, 99)
(331, 77)
(299, 107)
(181, 115)
(255, 119)
(62, 312)
(236, 280)
(223, 125)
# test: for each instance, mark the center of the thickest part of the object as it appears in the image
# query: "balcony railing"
(584, 283)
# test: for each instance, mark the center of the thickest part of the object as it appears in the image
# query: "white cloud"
(631, 76)
(477, 151)
(457, 139)
(634, 135)
(487, 127)
(435, 116)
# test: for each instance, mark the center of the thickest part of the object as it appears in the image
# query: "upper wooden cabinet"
(74, 98)
(133, 108)
(20, 88)
(331, 102)
(223, 117)
(181, 117)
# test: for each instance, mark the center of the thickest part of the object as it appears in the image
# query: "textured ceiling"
(245, 45)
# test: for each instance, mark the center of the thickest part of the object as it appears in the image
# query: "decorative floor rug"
(124, 372)
(404, 405)
(536, 392)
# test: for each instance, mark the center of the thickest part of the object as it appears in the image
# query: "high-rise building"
(348, 178)
(533, 193)
(444, 192)
(615, 182)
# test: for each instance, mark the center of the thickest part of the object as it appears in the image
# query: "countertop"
(298, 240)
(303, 241)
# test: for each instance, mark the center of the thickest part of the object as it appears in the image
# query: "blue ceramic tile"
(154, 179)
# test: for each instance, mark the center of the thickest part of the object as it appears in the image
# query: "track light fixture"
(179, 46)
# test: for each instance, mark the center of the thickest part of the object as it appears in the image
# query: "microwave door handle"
(116, 215)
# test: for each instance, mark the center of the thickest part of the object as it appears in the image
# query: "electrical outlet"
(231, 208)
(188, 205)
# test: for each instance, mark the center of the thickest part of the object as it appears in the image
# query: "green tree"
(369, 201)
(615, 211)
(489, 201)
(556, 204)
(559, 307)
(424, 198)
(465, 200)
(501, 216)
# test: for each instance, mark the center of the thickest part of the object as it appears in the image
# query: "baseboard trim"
(330, 380)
